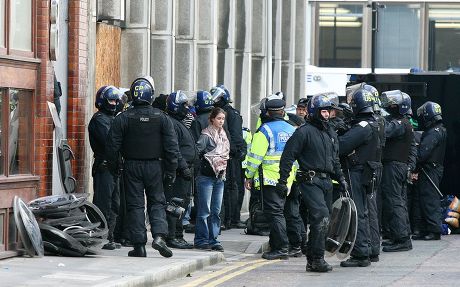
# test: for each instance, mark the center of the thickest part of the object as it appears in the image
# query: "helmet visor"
(181, 97)
(217, 93)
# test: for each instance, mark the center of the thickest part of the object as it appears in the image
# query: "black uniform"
(146, 139)
(201, 121)
(233, 125)
(399, 138)
(106, 196)
(361, 146)
(430, 158)
(182, 186)
(315, 147)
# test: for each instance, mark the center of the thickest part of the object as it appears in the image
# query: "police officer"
(106, 196)
(301, 109)
(266, 149)
(146, 139)
(396, 153)
(430, 158)
(177, 109)
(233, 126)
(360, 146)
(203, 106)
(315, 147)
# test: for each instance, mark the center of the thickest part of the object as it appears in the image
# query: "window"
(340, 35)
(16, 18)
(398, 38)
(444, 37)
(15, 131)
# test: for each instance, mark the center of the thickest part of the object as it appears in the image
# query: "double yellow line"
(253, 264)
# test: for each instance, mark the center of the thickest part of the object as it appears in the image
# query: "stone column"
(226, 45)
(288, 49)
(135, 44)
(162, 45)
(185, 45)
(277, 9)
(301, 42)
(243, 55)
(206, 51)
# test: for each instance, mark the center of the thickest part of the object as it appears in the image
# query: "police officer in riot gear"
(106, 195)
(146, 139)
(203, 107)
(233, 126)
(396, 156)
(430, 158)
(266, 148)
(177, 109)
(315, 147)
(360, 147)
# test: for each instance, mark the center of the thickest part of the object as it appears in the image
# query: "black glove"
(344, 184)
(281, 188)
(186, 173)
(168, 181)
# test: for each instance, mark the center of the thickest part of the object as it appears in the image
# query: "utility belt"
(144, 159)
(307, 176)
(99, 165)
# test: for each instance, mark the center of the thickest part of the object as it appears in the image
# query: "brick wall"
(77, 87)
(43, 124)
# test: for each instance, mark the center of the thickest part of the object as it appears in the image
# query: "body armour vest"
(369, 151)
(143, 140)
(437, 155)
(397, 149)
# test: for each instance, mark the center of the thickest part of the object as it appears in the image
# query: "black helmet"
(176, 104)
(396, 102)
(429, 113)
(362, 101)
(334, 98)
(143, 90)
(316, 104)
(106, 94)
(220, 95)
(375, 93)
(302, 102)
(275, 103)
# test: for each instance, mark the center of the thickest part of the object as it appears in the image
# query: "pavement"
(115, 268)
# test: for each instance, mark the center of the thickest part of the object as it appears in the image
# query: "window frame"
(5, 128)
(7, 51)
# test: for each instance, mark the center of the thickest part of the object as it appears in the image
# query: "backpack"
(257, 223)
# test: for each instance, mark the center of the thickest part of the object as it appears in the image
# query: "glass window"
(398, 38)
(21, 25)
(444, 37)
(19, 131)
(340, 35)
(2, 23)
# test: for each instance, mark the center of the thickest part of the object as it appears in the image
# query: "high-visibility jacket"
(259, 120)
(247, 136)
(266, 149)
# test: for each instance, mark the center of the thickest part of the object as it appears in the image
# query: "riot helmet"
(375, 93)
(176, 104)
(334, 98)
(347, 113)
(362, 101)
(429, 113)
(316, 104)
(396, 102)
(281, 95)
(143, 90)
(204, 101)
(220, 95)
(104, 96)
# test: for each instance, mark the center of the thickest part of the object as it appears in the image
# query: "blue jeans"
(210, 191)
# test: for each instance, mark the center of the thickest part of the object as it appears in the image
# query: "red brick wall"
(77, 89)
(43, 124)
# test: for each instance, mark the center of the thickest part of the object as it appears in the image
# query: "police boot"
(398, 246)
(356, 262)
(318, 265)
(432, 236)
(276, 254)
(138, 251)
(160, 245)
(388, 242)
(417, 235)
(295, 251)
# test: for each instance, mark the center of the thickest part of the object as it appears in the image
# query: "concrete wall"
(254, 48)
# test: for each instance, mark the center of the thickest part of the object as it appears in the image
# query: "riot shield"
(28, 229)
(338, 225)
(350, 238)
